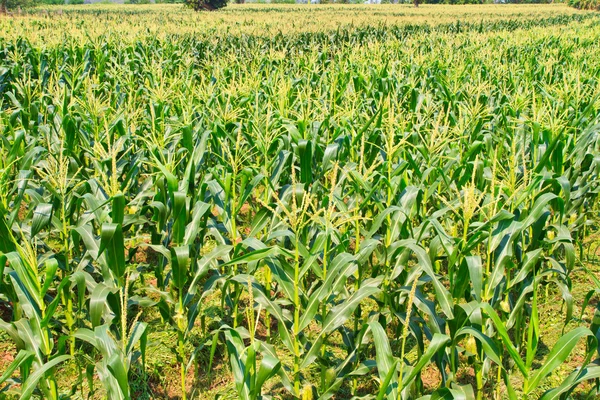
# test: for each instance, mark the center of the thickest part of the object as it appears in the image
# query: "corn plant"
(304, 205)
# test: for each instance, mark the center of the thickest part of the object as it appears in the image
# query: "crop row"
(329, 214)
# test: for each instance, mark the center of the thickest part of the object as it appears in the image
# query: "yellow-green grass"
(47, 25)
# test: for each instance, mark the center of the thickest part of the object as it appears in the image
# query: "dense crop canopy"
(368, 211)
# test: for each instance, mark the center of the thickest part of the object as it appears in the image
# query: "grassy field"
(315, 202)
(161, 21)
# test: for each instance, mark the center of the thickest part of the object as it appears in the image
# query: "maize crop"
(373, 210)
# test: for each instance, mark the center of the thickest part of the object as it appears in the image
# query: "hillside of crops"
(287, 202)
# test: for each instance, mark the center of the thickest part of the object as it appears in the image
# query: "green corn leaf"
(475, 267)
(180, 263)
(119, 371)
(236, 349)
(261, 298)
(259, 222)
(559, 354)
(530, 260)
(543, 162)
(33, 379)
(51, 266)
(510, 348)
(192, 229)
(254, 255)
(586, 373)
(533, 330)
(339, 314)
(269, 350)
(118, 208)
(385, 384)
(269, 367)
(136, 335)
(23, 356)
(98, 303)
(7, 241)
(203, 266)
(87, 336)
(171, 179)
(438, 342)
(341, 268)
(311, 355)
(386, 363)
(283, 274)
(25, 281)
(111, 242)
(179, 217)
(306, 156)
(442, 294)
(53, 305)
(489, 347)
(41, 218)
(28, 300)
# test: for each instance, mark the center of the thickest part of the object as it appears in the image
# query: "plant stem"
(323, 315)
(182, 362)
(479, 378)
(68, 298)
(297, 318)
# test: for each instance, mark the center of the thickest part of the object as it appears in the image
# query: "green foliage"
(7, 5)
(319, 212)
(585, 4)
(205, 5)
(53, 2)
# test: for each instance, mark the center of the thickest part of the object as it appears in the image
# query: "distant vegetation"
(6, 5)
(205, 5)
(216, 4)
(585, 4)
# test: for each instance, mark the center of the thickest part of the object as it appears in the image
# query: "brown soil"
(431, 378)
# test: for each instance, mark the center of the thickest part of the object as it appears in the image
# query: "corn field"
(372, 211)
